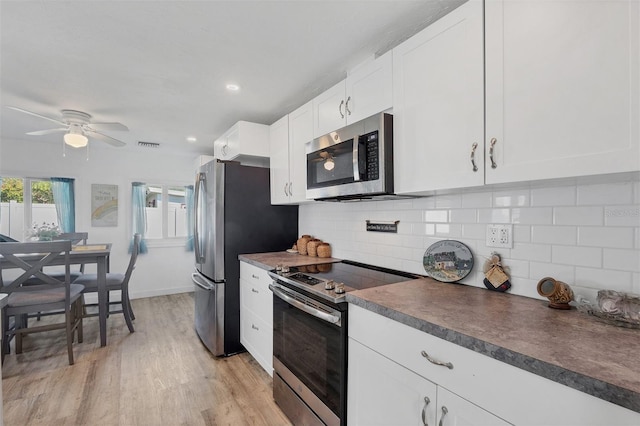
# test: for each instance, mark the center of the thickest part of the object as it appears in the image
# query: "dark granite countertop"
(568, 347)
(271, 260)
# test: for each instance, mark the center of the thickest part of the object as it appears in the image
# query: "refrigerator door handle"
(196, 232)
(200, 282)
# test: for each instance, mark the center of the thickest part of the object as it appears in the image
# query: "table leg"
(103, 305)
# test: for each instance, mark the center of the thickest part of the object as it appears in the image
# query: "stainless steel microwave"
(355, 162)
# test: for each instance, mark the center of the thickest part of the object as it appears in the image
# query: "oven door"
(309, 351)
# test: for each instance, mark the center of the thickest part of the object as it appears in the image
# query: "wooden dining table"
(89, 254)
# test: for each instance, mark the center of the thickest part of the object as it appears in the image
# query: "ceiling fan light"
(76, 140)
(329, 164)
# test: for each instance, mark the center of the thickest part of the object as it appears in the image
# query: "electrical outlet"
(500, 236)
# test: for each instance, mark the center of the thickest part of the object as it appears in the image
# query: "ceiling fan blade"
(48, 131)
(105, 138)
(37, 115)
(110, 126)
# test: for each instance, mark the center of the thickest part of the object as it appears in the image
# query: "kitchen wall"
(587, 235)
(167, 267)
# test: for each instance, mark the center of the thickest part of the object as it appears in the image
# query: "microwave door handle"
(196, 233)
(356, 157)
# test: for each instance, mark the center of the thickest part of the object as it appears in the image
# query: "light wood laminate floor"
(159, 375)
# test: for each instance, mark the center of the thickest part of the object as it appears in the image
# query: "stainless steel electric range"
(310, 336)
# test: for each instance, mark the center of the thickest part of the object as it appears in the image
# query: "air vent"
(148, 144)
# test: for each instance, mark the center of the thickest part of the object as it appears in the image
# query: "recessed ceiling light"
(191, 139)
(233, 87)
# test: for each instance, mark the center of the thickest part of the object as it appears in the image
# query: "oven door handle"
(325, 316)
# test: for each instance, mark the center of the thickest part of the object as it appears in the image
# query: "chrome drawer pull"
(473, 156)
(444, 413)
(424, 411)
(255, 276)
(254, 290)
(493, 163)
(254, 327)
(436, 362)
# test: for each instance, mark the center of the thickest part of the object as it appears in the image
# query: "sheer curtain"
(139, 214)
(188, 195)
(64, 199)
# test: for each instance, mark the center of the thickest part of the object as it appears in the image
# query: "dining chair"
(53, 294)
(115, 282)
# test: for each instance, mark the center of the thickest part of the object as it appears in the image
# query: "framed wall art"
(104, 205)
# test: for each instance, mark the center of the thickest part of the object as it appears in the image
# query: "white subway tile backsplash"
(531, 252)
(538, 271)
(600, 236)
(578, 216)
(602, 279)
(587, 236)
(511, 198)
(578, 256)
(625, 260)
(441, 216)
(463, 215)
(554, 234)
(618, 193)
(494, 216)
(477, 200)
(554, 196)
(532, 216)
(624, 215)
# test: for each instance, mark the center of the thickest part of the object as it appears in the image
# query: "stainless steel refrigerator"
(233, 215)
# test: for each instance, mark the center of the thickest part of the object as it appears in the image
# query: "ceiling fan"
(78, 128)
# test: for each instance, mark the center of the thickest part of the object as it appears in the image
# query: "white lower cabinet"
(393, 367)
(256, 314)
(382, 392)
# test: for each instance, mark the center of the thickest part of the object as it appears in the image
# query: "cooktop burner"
(354, 276)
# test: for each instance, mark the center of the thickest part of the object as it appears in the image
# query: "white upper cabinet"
(279, 160)
(287, 139)
(367, 90)
(243, 139)
(438, 104)
(562, 81)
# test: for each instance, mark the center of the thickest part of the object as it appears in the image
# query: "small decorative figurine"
(558, 293)
(496, 277)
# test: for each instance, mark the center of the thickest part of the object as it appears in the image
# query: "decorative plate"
(448, 261)
(292, 251)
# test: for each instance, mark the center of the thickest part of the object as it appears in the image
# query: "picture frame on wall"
(104, 205)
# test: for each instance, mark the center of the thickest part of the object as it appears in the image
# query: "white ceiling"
(160, 67)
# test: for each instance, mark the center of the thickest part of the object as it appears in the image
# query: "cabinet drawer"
(257, 298)
(254, 274)
(257, 338)
(509, 392)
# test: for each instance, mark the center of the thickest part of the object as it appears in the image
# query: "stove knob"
(278, 268)
(285, 269)
(339, 288)
(329, 285)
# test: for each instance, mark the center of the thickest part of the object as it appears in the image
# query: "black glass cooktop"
(355, 275)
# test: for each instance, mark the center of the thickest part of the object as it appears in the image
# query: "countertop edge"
(615, 394)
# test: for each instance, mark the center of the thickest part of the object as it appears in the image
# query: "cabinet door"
(369, 89)
(328, 110)
(381, 392)
(562, 88)
(279, 161)
(455, 411)
(438, 104)
(300, 132)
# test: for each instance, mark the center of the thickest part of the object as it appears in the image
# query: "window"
(23, 203)
(166, 211)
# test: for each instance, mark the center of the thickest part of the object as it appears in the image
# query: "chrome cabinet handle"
(285, 189)
(346, 106)
(473, 156)
(436, 362)
(424, 411)
(340, 108)
(224, 149)
(493, 163)
(254, 290)
(444, 413)
(290, 189)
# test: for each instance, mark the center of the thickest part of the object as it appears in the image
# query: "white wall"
(585, 235)
(164, 269)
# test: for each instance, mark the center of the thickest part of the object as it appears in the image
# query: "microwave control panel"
(373, 157)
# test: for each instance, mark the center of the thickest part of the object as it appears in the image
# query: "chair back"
(75, 237)
(134, 256)
(31, 258)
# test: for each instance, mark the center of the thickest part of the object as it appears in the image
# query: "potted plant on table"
(44, 232)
